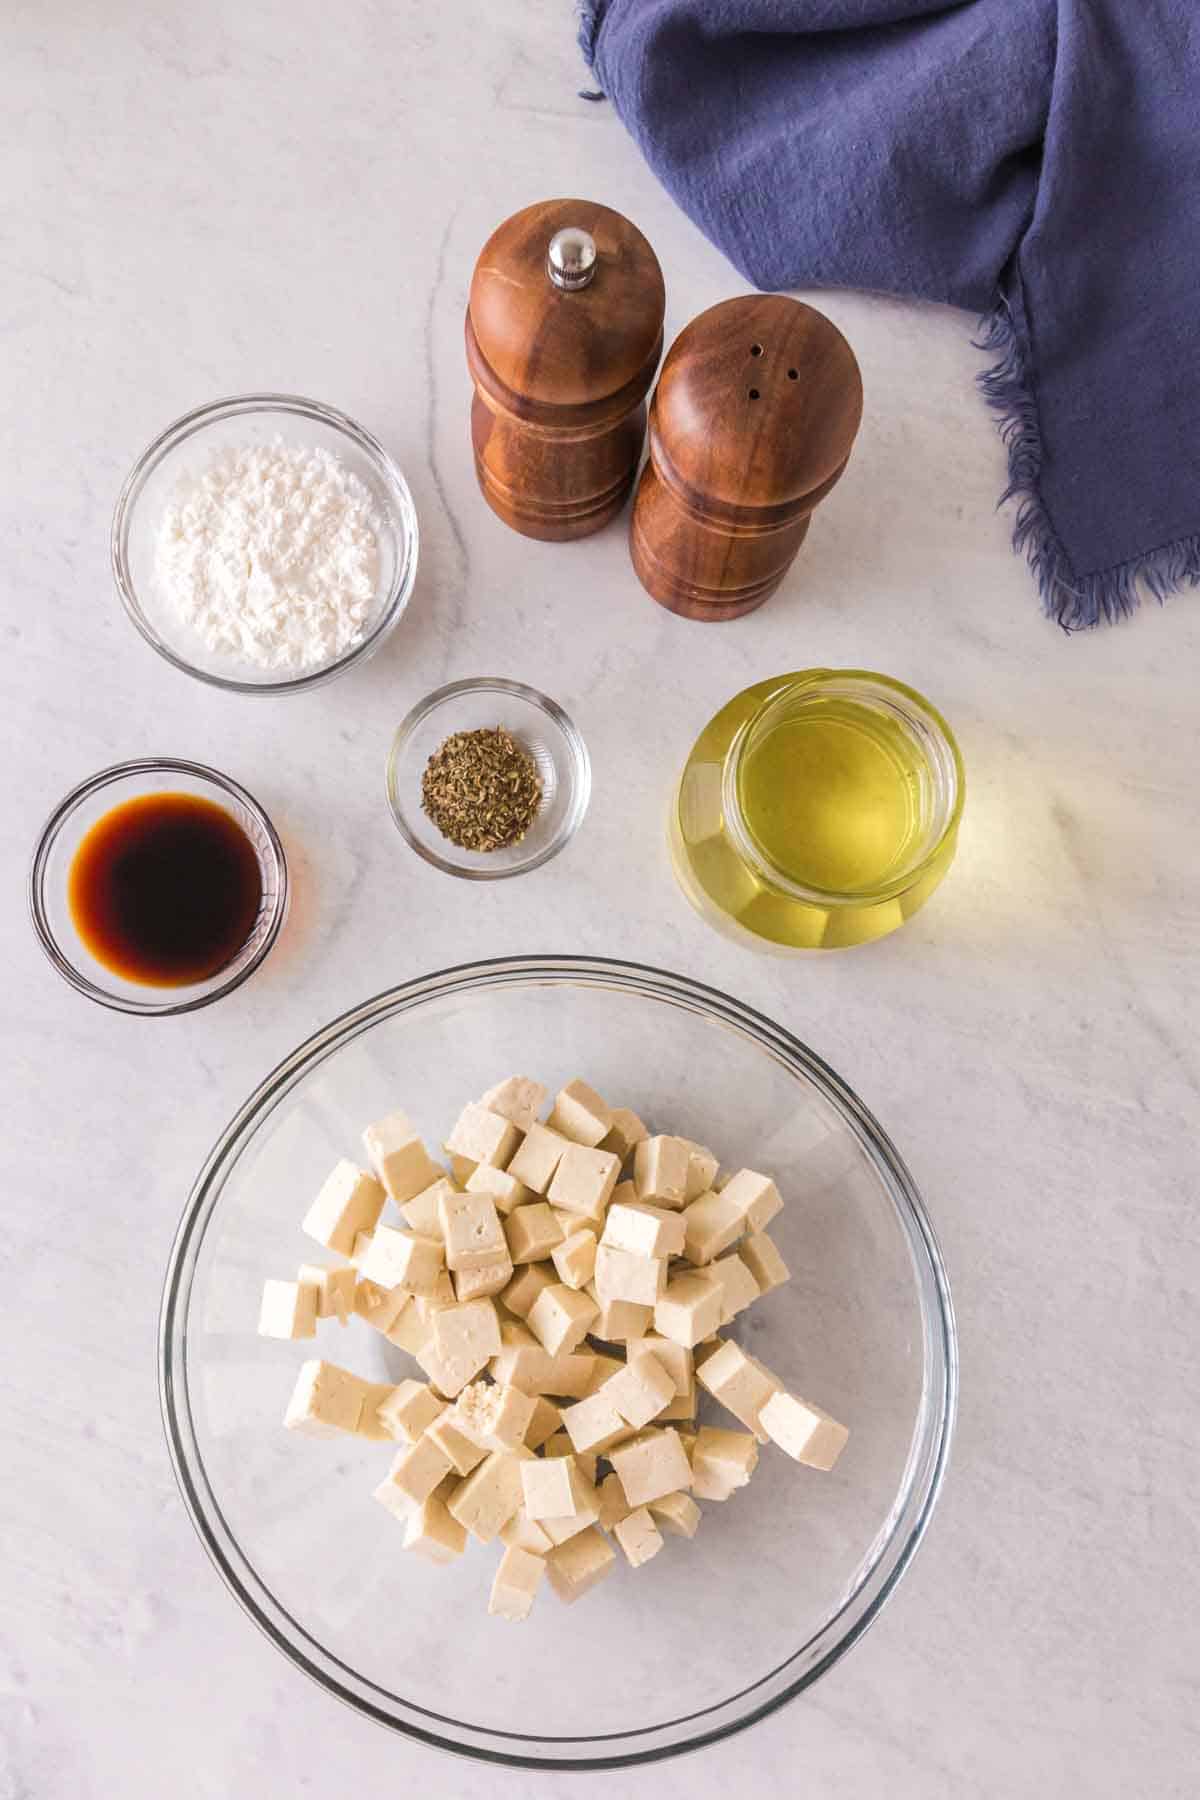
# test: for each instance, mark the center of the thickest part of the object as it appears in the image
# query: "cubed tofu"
(463, 1341)
(741, 1384)
(624, 1134)
(722, 1461)
(471, 1231)
(362, 1244)
(525, 1287)
(333, 1288)
(416, 1471)
(581, 1115)
(676, 1359)
(560, 1317)
(325, 1400)
(676, 1513)
(651, 1464)
(490, 1495)
(549, 1485)
(738, 1286)
(575, 1259)
(660, 1171)
(349, 1202)
(574, 1567)
(711, 1224)
(398, 1158)
(410, 1328)
(439, 1296)
(689, 1309)
(623, 1275)
(495, 1417)
(399, 1259)
(517, 1098)
(569, 1373)
(619, 1321)
(537, 1157)
(532, 1232)
(560, 1445)
(410, 1409)
(485, 1283)
(429, 1531)
(544, 1422)
(501, 1187)
(516, 1583)
(756, 1197)
(641, 1390)
(761, 1256)
(702, 1171)
(288, 1310)
(583, 1181)
(525, 1533)
(594, 1424)
(464, 1453)
(638, 1536)
(370, 1425)
(644, 1230)
(603, 1368)
(613, 1505)
(423, 1214)
(803, 1430)
(461, 1168)
(483, 1137)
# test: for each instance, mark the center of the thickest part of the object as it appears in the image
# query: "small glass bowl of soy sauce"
(158, 886)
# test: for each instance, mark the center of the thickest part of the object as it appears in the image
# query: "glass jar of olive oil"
(817, 810)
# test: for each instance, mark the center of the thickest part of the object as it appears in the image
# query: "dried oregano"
(481, 789)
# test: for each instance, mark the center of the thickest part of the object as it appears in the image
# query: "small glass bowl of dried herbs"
(488, 778)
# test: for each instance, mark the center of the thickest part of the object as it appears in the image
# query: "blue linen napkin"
(1037, 161)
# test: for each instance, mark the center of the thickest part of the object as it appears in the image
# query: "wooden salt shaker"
(564, 332)
(751, 425)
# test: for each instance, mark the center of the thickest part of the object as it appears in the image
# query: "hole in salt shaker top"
(754, 393)
(793, 374)
(756, 349)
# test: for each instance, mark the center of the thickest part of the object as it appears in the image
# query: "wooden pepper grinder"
(751, 425)
(564, 333)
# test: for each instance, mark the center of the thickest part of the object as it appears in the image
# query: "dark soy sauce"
(165, 890)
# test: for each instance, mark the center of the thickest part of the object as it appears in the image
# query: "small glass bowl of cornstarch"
(265, 543)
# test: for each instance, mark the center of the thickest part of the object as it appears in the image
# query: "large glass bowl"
(779, 1581)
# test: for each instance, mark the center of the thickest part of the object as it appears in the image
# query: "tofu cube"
(370, 1425)
(560, 1445)
(761, 1256)
(288, 1310)
(644, 1230)
(423, 1214)
(490, 1495)
(569, 1373)
(362, 1243)
(690, 1309)
(702, 1171)
(624, 1134)
(711, 1224)
(803, 1430)
(613, 1505)
(517, 1581)
(417, 1470)
(575, 1259)
(398, 1158)
(471, 1231)
(660, 1171)
(349, 1202)
(641, 1391)
(495, 1417)
(560, 1318)
(738, 1286)
(461, 1168)
(532, 1232)
(619, 1321)
(325, 1400)
(676, 1513)
(501, 1187)
(740, 1383)
(410, 1328)
(537, 1158)
(399, 1259)
(650, 1465)
(722, 1461)
(430, 1532)
(549, 1486)
(583, 1181)
(525, 1287)
(623, 1275)
(545, 1421)
(525, 1533)
(483, 1136)
(518, 1098)
(638, 1536)
(482, 1284)
(464, 1453)
(409, 1410)
(594, 1424)
(581, 1115)
(603, 1369)
(574, 1567)
(333, 1288)
(677, 1359)
(756, 1197)
(462, 1341)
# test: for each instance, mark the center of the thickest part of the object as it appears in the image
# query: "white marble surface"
(198, 200)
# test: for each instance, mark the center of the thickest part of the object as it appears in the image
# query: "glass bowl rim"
(581, 766)
(925, 1468)
(70, 802)
(232, 406)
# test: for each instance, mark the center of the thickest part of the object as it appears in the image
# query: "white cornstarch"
(272, 555)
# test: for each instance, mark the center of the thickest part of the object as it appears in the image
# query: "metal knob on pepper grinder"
(751, 425)
(563, 333)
